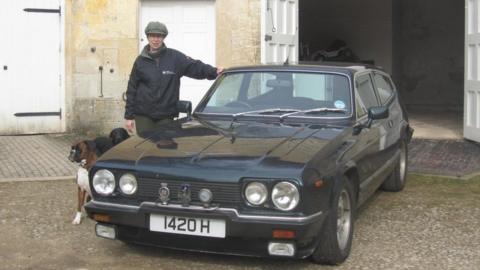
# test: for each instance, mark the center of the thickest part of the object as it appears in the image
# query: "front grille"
(224, 194)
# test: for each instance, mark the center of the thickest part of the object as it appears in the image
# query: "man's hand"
(130, 125)
(219, 70)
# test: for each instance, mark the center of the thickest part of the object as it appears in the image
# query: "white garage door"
(30, 65)
(471, 127)
(191, 27)
(279, 30)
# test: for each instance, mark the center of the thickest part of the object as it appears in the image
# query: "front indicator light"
(283, 234)
(319, 183)
(101, 218)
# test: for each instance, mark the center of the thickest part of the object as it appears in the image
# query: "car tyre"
(396, 181)
(337, 232)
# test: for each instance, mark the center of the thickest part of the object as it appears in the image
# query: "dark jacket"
(153, 87)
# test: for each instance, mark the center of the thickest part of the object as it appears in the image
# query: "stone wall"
(101, 34)
(104, 33)
(238, 32)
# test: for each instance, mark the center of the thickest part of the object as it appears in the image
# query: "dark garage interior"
(420, 42)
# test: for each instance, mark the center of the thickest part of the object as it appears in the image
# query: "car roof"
(339, 67)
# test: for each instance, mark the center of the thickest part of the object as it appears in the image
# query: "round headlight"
(104, 182)
(256, 193)
(285, 196)
(128, 184)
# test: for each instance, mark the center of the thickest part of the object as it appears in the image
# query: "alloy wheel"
(344, 219)
(403, 162)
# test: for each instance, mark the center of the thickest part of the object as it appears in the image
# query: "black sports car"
(274, 161)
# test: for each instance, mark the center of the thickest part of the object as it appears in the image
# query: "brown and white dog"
(85, 153)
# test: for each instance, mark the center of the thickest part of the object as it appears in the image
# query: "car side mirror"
(374, 113)
(185, 106)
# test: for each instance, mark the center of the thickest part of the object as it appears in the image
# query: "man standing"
(154, 84)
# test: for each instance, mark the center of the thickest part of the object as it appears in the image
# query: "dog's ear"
(78, 151)
(76, 146)
(82, 148)
(112, 133)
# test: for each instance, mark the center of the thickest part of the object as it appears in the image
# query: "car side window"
(365, 90)
(384, 87)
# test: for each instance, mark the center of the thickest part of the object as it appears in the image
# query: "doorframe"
(63, 101)
(472, 15)
(263, 14)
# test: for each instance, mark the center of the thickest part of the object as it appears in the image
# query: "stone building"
(76, 77)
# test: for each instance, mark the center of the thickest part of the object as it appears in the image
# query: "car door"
(369, 160)
(386, 94)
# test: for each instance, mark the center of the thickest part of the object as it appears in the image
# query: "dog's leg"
(81, 199)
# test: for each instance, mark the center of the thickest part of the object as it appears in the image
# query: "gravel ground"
(433, 224)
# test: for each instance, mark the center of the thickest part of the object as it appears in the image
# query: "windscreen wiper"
(324, 110)
(275, 110)
(317, 111)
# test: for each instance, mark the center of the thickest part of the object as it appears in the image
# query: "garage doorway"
(420, 42)
(191, 25)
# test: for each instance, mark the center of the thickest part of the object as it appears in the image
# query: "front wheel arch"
(352, 175)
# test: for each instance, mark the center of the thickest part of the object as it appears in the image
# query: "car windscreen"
(276, 93)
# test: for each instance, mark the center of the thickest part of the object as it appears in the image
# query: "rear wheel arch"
(406, 133)
(396, 181)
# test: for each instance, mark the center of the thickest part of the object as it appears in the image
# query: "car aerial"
(274, 162)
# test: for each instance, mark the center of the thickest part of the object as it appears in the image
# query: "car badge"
(184, 194)
(205, 196)
(164, 193)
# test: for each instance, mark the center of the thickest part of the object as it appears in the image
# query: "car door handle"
(5, 67)
(390, 123)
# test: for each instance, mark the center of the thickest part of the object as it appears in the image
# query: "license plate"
(188, 225)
